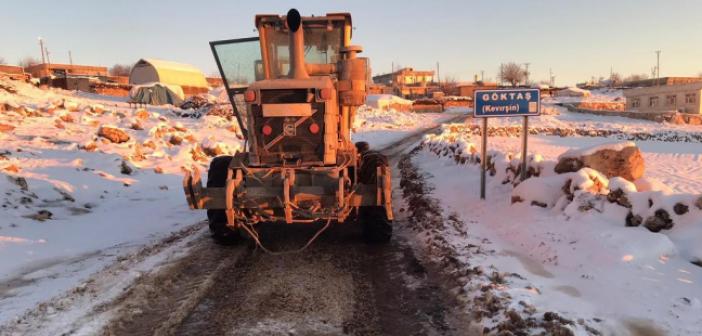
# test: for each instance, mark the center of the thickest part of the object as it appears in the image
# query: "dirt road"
(337, 286)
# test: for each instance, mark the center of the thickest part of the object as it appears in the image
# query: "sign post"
(505, 103)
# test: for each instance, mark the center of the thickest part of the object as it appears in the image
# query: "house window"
(635, 102)
(670, 99)
(653, 101)
(690, 98)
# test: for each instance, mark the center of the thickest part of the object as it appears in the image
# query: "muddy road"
(339, 285)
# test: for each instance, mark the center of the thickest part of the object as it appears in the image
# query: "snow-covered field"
(74, 202)
(584, 264)
(381, 128)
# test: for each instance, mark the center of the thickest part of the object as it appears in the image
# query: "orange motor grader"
(294, 90)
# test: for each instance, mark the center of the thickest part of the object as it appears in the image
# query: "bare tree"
(120, 70)
(449, 84)
(512, 73)
(2, 60)
(27, 61)
(615, 79)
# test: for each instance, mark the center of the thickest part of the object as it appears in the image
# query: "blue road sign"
(506, 103)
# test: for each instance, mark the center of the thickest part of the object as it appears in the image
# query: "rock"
(698, 204)
(569, 165)
(136, 125)
(41, 215)
(517, 199)
(114, 134)
(681, 209)
(677, 119)
(90, 146)
(5, 128)
(619, 197)
(20, 182)
(175, 140)
(539, 204)
(627, 163)
(659, 221)
(633, 220)
(125, 169)
(142, 114)
(158, 170)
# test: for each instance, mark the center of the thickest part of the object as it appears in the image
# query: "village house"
(64, 70)
(683, 98)
(409, 83)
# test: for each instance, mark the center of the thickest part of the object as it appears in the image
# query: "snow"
(613, 146)
(98, 213)
(383, 127)
(385, 101)
(579, 255)
(590, 266)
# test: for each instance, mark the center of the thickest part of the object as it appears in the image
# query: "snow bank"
(386, 101)
(614, 146)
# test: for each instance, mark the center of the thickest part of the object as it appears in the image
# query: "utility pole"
(482, 76)
(550, 77)
(70, 57)
(48, 60)
(41, 45)
(438, 75)
(526, 77)
(658, 67)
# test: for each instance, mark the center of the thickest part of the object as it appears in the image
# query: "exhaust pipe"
(297, 46)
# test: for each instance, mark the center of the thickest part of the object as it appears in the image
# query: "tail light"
(325, 94)
(250, 96)
(314, 128)
(267, 130)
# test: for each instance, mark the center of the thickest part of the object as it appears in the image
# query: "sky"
(576, 40)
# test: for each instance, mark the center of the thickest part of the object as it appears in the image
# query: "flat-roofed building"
(683, 98)
(63, 70)
(663, 81)
(12, 71)
(408, 82)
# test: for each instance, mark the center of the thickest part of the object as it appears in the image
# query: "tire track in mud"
(158, 302)
(339, 285)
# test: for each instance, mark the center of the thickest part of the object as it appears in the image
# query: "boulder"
(619, 159)
(659, 221)
(6, 128)
(114, 134)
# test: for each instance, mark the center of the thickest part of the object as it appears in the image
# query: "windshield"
(239, 63)
(322, 44)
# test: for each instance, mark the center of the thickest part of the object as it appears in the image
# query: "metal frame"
(231, 92)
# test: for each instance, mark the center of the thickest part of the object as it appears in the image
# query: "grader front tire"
(217, 178)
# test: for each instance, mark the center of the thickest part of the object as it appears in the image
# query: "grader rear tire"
(377, 228)
(217, 218)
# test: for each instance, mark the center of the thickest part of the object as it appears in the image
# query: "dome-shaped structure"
(190, 78)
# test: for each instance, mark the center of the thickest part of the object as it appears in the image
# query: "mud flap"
(234, 178)
(192, 186)
(384, 190)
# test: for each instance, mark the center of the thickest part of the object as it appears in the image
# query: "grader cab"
(294, 90)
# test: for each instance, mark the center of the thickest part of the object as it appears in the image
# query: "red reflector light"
(314, 128)
(325, 94)
(250, 96)
(267, 130)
